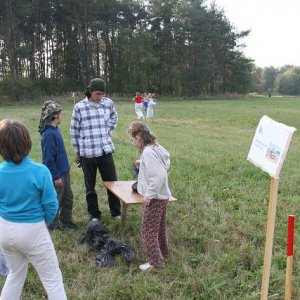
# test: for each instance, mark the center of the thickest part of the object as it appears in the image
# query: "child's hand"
(146, 200)
(58, 182)
(137, 163)
(77, 160)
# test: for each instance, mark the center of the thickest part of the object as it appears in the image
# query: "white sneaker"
(117, 217)
(146, 267)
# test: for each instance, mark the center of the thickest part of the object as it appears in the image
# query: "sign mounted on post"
(268, 151)
(270, 145)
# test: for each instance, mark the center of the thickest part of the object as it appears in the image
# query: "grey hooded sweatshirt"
(153, 173)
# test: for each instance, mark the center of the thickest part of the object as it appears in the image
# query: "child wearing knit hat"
(93, 120)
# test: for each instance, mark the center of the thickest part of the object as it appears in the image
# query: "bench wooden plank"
(124, 192)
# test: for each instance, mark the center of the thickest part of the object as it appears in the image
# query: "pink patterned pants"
(154, 231)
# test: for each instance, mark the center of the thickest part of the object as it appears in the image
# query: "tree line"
(180, 48)
(284, 80)
(171, 47)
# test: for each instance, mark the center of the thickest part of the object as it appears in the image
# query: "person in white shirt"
(151, 103)
(153, 186)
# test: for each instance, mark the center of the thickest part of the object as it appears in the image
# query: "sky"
(274, 39)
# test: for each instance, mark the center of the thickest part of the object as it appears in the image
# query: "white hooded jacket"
(153, 173)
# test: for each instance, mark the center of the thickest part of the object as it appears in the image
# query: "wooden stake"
(269, 238)
(289, 260)
(288, 278)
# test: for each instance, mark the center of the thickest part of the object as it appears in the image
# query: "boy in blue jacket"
(55, 157)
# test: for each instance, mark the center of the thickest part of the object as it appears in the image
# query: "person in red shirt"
(138, 105)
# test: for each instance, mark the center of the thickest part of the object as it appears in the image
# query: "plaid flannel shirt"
(91, 126)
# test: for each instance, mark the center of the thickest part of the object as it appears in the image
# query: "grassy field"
(216, 228)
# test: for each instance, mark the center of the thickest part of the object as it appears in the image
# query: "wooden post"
(289, 260)
(269, 238)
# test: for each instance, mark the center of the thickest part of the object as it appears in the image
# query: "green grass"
(217, 226)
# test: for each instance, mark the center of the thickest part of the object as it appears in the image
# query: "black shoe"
(54, 226)
(68, 225)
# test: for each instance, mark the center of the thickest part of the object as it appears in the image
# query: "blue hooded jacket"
(54, 154)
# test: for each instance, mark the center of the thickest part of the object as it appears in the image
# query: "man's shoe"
(96, 220)
(68, 225)
(117, 217)
(146, 267)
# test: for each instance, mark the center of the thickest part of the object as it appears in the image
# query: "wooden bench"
(124, 192)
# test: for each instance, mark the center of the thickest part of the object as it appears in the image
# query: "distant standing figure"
(93, 121)
(270, 92)
(153, 186)
(54, 156)
(138, 105)
(151, 103)
(145, 101)
(28, 202)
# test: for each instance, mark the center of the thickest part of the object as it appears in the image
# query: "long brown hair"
(15, 141)
(143, 131)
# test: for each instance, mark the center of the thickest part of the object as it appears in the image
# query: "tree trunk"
(10, 40)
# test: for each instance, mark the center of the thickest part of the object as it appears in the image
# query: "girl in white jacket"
(153, 186)
(151, 103)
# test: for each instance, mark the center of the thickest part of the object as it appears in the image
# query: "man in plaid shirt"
(93, 120)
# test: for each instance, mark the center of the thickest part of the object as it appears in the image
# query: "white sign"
(270, 145)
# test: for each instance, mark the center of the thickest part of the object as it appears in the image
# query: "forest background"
(170, 47)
